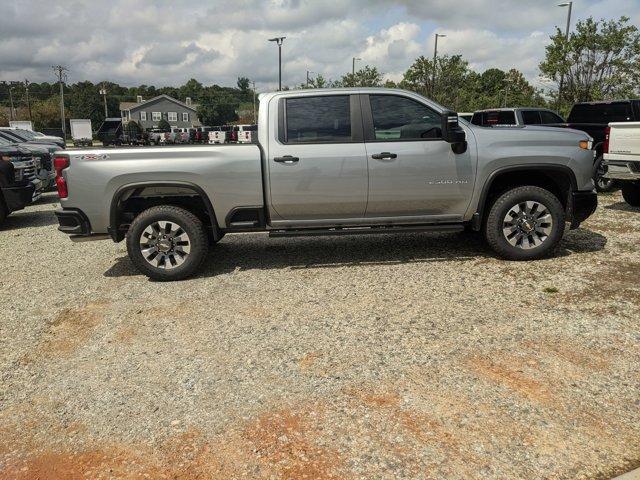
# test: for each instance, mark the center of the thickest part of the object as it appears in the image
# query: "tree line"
(600, 60)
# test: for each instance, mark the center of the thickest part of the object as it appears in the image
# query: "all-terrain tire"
(547, 216)
(631, 193)
(167, 231)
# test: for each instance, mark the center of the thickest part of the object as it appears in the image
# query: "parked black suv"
(594, 118)
(16, 185)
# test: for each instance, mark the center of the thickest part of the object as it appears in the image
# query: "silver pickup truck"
(333, 162)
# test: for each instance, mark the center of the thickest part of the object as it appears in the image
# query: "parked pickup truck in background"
(516, 117)
(17, 180)
(593, 118)
(333, 162)
(622, 158)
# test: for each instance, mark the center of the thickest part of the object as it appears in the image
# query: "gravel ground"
(387, 357)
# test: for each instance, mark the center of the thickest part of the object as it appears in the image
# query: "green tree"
(365, 77)
(164, 125)
(600, 60)
(243, 84)
(192, 89)
(217, 109)
(83, 100)
(450, 79)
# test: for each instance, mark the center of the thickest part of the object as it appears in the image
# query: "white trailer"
(23, 124)
(81, 132)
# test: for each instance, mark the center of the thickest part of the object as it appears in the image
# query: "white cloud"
(166, 43)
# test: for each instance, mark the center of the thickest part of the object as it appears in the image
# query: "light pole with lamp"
(279, 41)
(566, 41)
(433, 73)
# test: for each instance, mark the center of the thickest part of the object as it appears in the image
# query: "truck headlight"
(585, 144)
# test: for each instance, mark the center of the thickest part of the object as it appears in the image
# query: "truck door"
(317, 160)
(412, 170)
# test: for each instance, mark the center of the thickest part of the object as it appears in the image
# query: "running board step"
(314, 232)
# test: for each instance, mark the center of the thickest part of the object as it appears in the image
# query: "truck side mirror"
(453, 133)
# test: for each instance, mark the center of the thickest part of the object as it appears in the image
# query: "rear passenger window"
(531, 117)
(400, 118)
(550, 117)
(318, 119)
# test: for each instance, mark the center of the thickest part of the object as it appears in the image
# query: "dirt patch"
(68, 331)
(286, 443)
(510, 374)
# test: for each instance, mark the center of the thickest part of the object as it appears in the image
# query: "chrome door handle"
(384, 156)
(286, 159)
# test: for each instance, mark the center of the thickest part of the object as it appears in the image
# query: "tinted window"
(495, 117)
(550, 117)
(530, 117)
(600, 113)
(318, 119)
(402, 118)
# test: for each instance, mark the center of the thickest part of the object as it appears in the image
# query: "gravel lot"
(400, 356)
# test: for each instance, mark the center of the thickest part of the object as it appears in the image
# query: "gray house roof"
(133, 106)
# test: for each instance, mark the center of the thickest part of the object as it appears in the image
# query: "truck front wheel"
(167, 243)
(631, 193)
(525, 223)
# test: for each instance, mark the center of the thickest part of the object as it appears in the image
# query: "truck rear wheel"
(525, 223)
(167, 243)
(631, 193)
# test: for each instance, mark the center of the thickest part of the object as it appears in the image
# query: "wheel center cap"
(164, 245)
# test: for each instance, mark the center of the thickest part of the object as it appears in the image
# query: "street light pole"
(433, 73)
(26, 91)
(103, 92)
(279, 41)
(60, 72)
(255, 121)
(11, 100)
(353, 65)
(566, 41)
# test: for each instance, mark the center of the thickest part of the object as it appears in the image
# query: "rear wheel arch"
(122, 205)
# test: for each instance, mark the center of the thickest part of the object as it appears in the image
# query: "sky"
(157, 42)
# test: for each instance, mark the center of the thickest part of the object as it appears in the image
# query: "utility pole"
(566, 41)
(60, 72)
(11, 101)
(26, 91)
(353, 65)
(307, 78)
(103, 92)
(255, 119)
(279, 41)
(433, 72)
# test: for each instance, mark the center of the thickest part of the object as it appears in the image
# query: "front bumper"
(583, 205)
(18, 195)
(73, 222)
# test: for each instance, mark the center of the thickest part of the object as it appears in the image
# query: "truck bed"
(231, 176)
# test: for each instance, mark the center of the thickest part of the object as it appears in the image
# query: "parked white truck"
(622, 158)
(333, 162)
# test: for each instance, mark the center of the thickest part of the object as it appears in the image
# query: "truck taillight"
(59, 164)
(605, 145)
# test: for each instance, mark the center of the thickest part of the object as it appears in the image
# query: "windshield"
(14, 134)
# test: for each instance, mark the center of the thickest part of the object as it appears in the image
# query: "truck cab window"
(321, 119)
(400, 118)
(531, 117)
